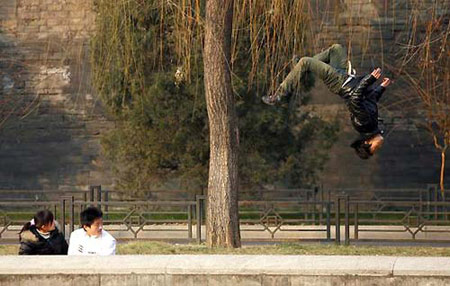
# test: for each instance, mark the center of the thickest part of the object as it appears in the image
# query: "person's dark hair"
(89, 215)
(41, 218)
(362, 149)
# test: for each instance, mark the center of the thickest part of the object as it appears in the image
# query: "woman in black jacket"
(42, 237)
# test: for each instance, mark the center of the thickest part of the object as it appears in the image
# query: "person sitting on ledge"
(91, 238)
(332, 67)
(41, 236)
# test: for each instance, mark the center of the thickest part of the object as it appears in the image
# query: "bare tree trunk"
(222, 225)
(441, 181)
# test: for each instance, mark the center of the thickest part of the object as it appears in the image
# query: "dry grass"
(149, 248)
(142, 248)
(9, 249)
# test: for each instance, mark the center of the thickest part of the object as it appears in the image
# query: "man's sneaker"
(271, 100)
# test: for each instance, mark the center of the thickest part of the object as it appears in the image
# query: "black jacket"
(361, 101)
(31, 243)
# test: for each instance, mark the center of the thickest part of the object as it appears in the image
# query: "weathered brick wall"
(44, 76)
(51, 139)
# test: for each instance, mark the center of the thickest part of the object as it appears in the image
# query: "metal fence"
(415, 214)
(131, 217)
(410, 217)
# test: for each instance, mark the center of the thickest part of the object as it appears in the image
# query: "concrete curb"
(228, 264)
(219, 269)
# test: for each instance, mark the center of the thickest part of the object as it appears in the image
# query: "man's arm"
(75, 248)
(381, 88)
(108, 244)
(366, 82)
(378, 92)
(110, 248)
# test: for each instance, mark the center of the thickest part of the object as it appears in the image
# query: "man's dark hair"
(362, 149)
(89, 215)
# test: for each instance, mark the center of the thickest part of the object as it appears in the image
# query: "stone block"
(83, 35)
(57, 22)
(55, 7)
(28, 16)
(59, 29)
(80, 2)
(30, 29)
(54, 14)
(187, 280)
(78, 21)
(44, 28)
(42, 35)
(9, 4)
(8, 27)
(7, 12)
(77, 14)
(132, 280)
(30, 3)
(238, 280)
(270, 280)
(51, 2)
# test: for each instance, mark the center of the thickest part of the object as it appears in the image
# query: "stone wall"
(51, 138)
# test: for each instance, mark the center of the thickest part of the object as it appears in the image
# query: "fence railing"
(410, 217)
(132, 217)
(329, 216)
(99, 193)
(273, 216)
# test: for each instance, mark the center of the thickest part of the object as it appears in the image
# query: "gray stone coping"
(318, 265)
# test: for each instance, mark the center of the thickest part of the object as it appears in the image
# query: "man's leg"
(329, 75)
(329, 65)
(335, 56)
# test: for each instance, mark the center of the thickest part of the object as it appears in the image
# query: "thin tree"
(429, 51)
(222, 225)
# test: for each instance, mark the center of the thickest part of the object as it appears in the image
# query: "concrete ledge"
(224, 270)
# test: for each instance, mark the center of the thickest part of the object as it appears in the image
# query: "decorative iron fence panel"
(410, 214)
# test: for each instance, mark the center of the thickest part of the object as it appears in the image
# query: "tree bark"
(441, 181)
(222, 220)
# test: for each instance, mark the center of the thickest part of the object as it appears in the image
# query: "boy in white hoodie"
(91, 238)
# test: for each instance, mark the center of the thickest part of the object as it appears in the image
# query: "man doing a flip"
(361, 99)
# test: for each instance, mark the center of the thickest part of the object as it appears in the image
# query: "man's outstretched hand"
(386, 82)
(376, 73)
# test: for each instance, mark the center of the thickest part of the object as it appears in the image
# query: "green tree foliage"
(162, 132)
(283, 144)
(162, 135)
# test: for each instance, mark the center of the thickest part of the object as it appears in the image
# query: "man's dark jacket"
(362, 101)
(32, 243)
